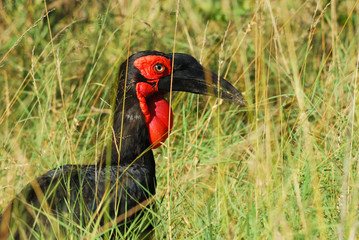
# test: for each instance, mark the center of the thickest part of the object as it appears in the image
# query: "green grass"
(284, 167)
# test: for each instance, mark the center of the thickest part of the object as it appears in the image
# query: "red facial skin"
(157, 112)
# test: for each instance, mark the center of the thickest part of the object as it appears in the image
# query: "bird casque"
(124, 178)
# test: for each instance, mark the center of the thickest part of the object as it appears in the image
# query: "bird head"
(153, 74)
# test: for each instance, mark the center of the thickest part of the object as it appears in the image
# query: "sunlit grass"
(286, 166)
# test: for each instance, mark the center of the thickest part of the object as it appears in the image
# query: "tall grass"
(284, 167)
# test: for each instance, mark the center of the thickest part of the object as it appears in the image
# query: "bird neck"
(130, 141)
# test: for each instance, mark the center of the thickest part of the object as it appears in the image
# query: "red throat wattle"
(161, 116)
(157, 112)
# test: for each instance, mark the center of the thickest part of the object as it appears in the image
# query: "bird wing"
(85, 194)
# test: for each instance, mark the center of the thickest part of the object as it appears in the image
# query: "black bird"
(114, 190)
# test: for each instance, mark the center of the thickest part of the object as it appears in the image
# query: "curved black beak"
(190, 76)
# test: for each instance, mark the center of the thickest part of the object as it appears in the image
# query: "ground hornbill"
(114, 190)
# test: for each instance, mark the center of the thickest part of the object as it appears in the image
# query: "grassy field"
(284, 167)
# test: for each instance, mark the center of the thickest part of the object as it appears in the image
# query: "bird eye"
(159, 67)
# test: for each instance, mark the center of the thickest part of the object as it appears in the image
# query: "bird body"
(125, 175)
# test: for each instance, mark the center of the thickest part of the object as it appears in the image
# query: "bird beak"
(190, 76)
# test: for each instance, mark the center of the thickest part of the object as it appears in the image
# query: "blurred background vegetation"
(284, 167)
